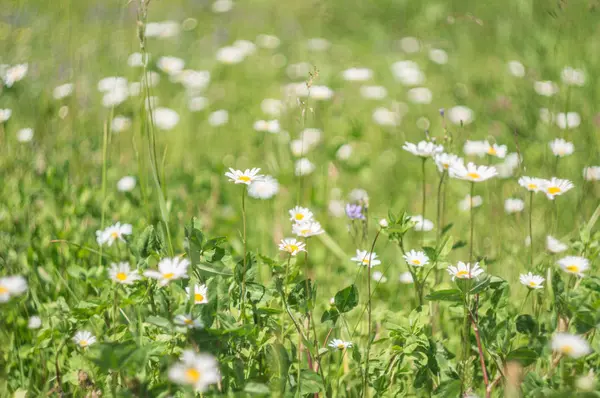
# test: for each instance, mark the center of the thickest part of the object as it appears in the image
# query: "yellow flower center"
(492, 151)
(553, 190)
(3, 290)
(572, 268)
(114, 235)
(192, 375)
(446, 165)
(83, 343)
(567, 349)
(365, 260)
(462, 273)
(299, 216)
(340, 346)
(474, 176)
(121, 276)
(291, 248)
(198, 297)
(304, 231)
(416, 262)
(531, 186)
(532, 283)
(188, 321)
(244, 178)
(168, 275)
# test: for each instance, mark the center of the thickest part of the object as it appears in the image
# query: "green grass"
(58, 189)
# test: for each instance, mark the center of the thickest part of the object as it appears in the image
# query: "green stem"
(369, 308)
(531, 230)
(243, 298)
(424, 193)
(471, 222)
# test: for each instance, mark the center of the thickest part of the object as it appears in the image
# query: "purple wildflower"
(354, 212)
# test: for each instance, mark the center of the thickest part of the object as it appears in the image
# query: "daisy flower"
(406, 278)
(379, 277)
(12, 286)
(200, 294)
(121, 273)
(243, 177)
(532, 281)
(496, 150)
(25, 135)
(292, 246)
(461, 115)
(476, 148)
(573, 76)
(568, 120)
(264, 188)
(444, 161)
(422, 224)
(113, 233)
(556, 187)
(188, 322)
(591, 173)
(307, 229)
(561, 148)
(416, 259)
(362, 258)
(468, 202)
(165, 118)
(513, 205)
(465, 270)
(574, 265)
(554, 245)
(571, 345)
(34, 322)
(339, 344)
(126, 184)
(357, 74)
(196, 370)
(532, 184)
(300, 214)
(303, 167)
(84, 339)
(473, 172)
(5, 114)
(170, 65)
(15, 74)
(424, 149)
(169, 269)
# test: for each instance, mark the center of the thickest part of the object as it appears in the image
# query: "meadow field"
(367, 198)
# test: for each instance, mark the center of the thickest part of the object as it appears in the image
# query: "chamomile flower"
(554, 245)
(170, 65)
(196, 370)
(200, 294)
(25, 135)
(532, 281)
(300, 214)
(496, 150)
(465, 270)
(406, 278)
(292, 246)
(461, 115)
(307, 229)
(513, 205)
(126, 184)
(572, 76)
(169, 269)
(379, 277)
(34, 322)
(561, 148)
(467, 203)
(476, 148)
(165, 118)
(556, 187)
(569, 120)
(416, 259)
(422, 224)
(15, 74)
(357, 74)
(363, 257)
(264, 188)
(113, 233)
(187, 321)
(444, 161)
(5, 114)
(339, 344)
(62, 91)
(547, 88)
(571, 345)
(574, 265)
(11, 286)
(592, 173)
(120, 124)
(243, 177)
(84, 339)
(532, 184)
(473, 172)
(424, 149)
(304, 167)
(122, 273)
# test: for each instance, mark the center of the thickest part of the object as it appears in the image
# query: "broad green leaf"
(525, 356)
(346, 299)
(310, 382)
(526, 324)
(445, 295)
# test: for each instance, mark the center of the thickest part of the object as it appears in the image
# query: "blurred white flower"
(423, 149)
(299, 70)
(591, 173)
(473, 173)
(165, 118)
(513, 205)
(113, 233)
(170, 65)
(318, 44)
(62, 91)
(264, 188)
(321, 93)
(496, 150)
(569, 120)
(546, 88)
(136, 60)
(336, 208)
(344, 152)
(366, 258)
(359, 195)
(554, 245)
(196, 370)
(84, 339)
(572, 76)
(373, 92)
(230, 55)
(34, 322)
(169, 269)
(571, 345)
(408, 73)
(116, 96)
(304, 167)
(268, 41)
(135, 88)
(271, 107)
(218, 118)
(245, 46)
(420, 95)
(120, 123)
(197, 104)
(194, 81)
(222, 6)
(111, 83)
(307, 229)
(123, 274)
(467, 203)
(385, 117)
(444, 161)
(461, 114)
(271, 126)
(516, 68)
(339, 344)
(5, 115)
(438, 56)
(379, 277)
(126, 184)
(422, 224)
(561, 148)
(410, 45)
(532, 184)
(574, 265)
(357, 74)
(25, 135)
(406, 278)
(162, 30)
(475, 148)
(15, 74)
(11, 286)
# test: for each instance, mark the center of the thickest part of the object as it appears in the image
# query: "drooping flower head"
(556, 187)
(561, 148)
(196, 370)
(339, 344)
(364, 257)
(465, 270)
(532, 281)
(424, 149)
(292, 246)
(554, 245)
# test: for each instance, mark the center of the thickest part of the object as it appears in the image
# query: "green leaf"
(445, 295)
(481, 283)
(310, 382)
(525, 356)
(302, 296)
(210, 269)
(526, 324)
(459, 244)
(330, 315)
(257, 388)
(159, 321)
(584, 321)
(346, 299)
